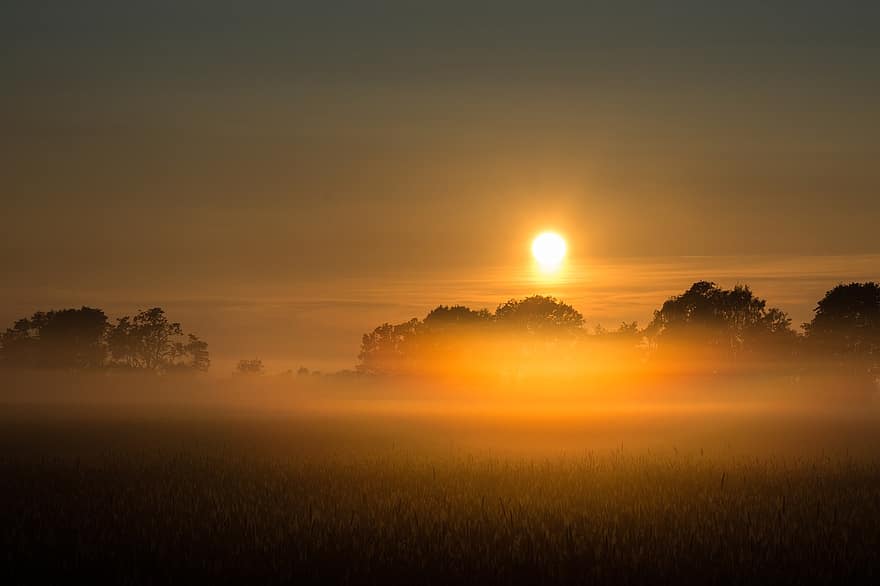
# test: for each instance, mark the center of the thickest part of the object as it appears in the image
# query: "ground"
(146, 496)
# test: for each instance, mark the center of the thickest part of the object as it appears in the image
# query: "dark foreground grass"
(288, 501)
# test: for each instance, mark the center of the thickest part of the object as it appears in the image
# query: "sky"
(283, 176)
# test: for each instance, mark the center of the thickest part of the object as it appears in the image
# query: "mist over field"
(377, 480)
(764, 416)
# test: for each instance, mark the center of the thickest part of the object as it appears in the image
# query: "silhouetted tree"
(252, 366)
(196, 350)
(846, 326)
(68, 338)
(628, 329)
(729, 321)
(387, 347)
(444, 317)
(148, 341)
(453, 334)
(624, 330)
(539, 315)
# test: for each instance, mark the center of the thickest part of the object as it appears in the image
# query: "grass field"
(701, 496)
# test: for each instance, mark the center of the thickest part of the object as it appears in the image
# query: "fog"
(699, 415)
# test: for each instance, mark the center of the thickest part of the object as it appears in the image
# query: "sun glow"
(549, 249)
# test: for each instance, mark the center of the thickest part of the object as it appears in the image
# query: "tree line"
(704, 324)
(84, 339)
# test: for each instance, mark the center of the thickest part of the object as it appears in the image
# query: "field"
(144, 494)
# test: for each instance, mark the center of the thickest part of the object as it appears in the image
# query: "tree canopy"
(249, 367)
(83, 339)
(148, 341)
(449, 333)
(67, 339)
(729, 322)
(846, 325)
(539, 315)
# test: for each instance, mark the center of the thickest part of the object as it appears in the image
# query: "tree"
(465, 337)
(148, 341)
(388, 347)
(67, 338)
(535, 336)
(628, 329)
(249, 367)
(728, 322)
(624, 330)
(444, 317)
(197, 351)
(846, 325)
(539, 314)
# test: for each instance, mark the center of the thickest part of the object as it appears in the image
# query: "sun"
(549, 249)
